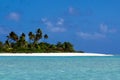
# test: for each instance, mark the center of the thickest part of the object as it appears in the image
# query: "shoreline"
(54, 54)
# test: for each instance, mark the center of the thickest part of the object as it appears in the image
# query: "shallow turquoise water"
(60, 68)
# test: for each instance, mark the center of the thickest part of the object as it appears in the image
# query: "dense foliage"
(19, 44)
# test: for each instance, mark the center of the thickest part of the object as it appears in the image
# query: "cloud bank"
(57, 26)
(95, 35)
(104, 29)
(102, 33)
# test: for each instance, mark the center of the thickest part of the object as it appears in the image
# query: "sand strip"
(53, 54)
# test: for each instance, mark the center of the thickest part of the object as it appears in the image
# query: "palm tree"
(13, 36)
(31, 36)
(38, 35)
(23, 35)
(39, 31)
(45, 36)
(22, 42)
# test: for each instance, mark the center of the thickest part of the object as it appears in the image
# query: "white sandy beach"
(53, 54)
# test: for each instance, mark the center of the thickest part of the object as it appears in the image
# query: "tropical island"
(19, 44)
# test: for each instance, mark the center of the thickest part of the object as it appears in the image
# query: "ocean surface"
(60, 68)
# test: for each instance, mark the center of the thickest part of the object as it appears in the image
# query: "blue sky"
(90, 25)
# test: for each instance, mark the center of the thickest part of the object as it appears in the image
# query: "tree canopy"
(19, 44)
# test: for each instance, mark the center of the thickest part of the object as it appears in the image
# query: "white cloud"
(48, 24)
(54, 27)
(44, 20)
(95, 35)
(73, 11)
(60, 21)
(104, 29)
(14, 16)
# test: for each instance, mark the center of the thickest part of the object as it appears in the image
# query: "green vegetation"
(19, 44)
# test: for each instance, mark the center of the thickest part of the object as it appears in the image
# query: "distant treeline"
(19, 44)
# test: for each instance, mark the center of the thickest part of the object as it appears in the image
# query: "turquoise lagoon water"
(60, 68)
